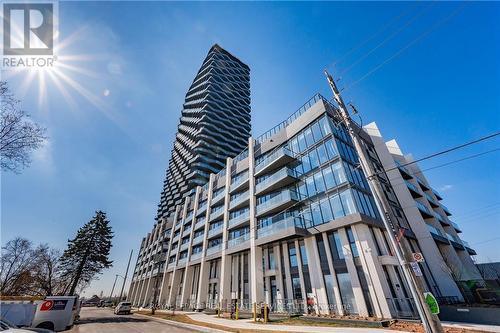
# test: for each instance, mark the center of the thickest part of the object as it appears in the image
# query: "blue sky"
(128, 65)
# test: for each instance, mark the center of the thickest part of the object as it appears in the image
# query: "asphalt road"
(98, 320)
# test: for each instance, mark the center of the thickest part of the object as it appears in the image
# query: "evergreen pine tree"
(88, 253)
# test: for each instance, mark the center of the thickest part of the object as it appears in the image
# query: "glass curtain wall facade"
(290, 221)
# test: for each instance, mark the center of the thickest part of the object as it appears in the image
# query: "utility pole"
(125, 278)
(430, 321)
(113, 289)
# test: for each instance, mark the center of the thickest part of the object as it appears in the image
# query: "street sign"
(416, 268)
(418, 257)
(432, 303)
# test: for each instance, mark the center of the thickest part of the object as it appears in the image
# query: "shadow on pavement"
(111, 320)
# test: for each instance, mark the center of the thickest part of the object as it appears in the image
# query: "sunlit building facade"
(291, 221)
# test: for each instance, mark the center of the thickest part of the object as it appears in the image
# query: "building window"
(338, 245)
(292, 254)
(297, 291)
(352, 243)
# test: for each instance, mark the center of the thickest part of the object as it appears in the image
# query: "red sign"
(47, 305)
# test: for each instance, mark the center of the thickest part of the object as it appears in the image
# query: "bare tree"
(46, 277)
(16, 262)
(19, 135)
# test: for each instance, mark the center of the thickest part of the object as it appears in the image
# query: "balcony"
(201, 209)
(437, 194)
(214, 249)
(197, 240)
(277, 203)
(196, 255)
(404, 171)
(437, 234)
(240, 183)
(238, 240)
(182, 261)
(236, 221)
(278, 158)
(446, 210)
(186, 232)
(469, 249)
(219, 197)
(216, 214)
(426, 213)
(240, 201)
(415, 193)
(176, 238)
(215, 231)
(281, 178)
(441, 219)
(456, 227)
(422, 184)
(198, 225)
(286, 227)
(455, 241)
(184, 246)
(431, 200)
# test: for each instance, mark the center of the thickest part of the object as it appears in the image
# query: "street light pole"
(113, 289)
(125, 278)
(403, 252)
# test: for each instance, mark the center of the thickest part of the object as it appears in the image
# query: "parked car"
(8, 327)
(57, 313)
(108, 304)
(123, 307)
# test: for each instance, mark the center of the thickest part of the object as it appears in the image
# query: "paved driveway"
(98, 320)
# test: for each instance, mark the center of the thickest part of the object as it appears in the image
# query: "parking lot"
(103, 320)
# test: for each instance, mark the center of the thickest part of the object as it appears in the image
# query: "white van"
(57, 313)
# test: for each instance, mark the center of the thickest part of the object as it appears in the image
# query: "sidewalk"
(479, 327)
(250, 325)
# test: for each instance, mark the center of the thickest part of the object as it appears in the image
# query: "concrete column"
(162, 294)
(225, 276)
(288, 275)
(336, 291)
(279, 277)
(317, 282)
(255, 262)
(353, 274)
(203, 279)
(172, 298)
(301, 275)
(377, 285)
(187, 282)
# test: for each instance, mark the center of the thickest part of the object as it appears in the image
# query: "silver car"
(123, 308)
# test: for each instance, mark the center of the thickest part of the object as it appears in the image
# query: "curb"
(183, 325)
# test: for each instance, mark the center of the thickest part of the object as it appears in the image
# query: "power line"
(407, 46)
(440, 153)
(486, 241)
(391, 36)
(384, 27)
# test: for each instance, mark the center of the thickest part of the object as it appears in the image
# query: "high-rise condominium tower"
(214, 125)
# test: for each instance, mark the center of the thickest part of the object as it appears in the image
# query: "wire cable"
(440, 153)
(434, 27)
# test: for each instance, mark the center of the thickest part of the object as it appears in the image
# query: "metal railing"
(313, 100)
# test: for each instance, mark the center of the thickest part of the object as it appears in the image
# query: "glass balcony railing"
(406, 173)
(279, 226)
(440, 218)
(239, 200)
(455, 226)
(278, 201)
(239, 182)
(176, 238)
(239, 219)
(201, 209)
(422, 184)
(196, 255)
(186, 232)
(454, 239)
(413, 188)
(431, 200)
(181, 261)
(437, 194)
(214, 249)
(216, 214)
(436, 231)
(197, 240)
(238, 240)
(184, 246)
(199, 225)
(424, 210)
(218, 197)
(281, 153)
(446, 210)
(215, 231)
(276, 178)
